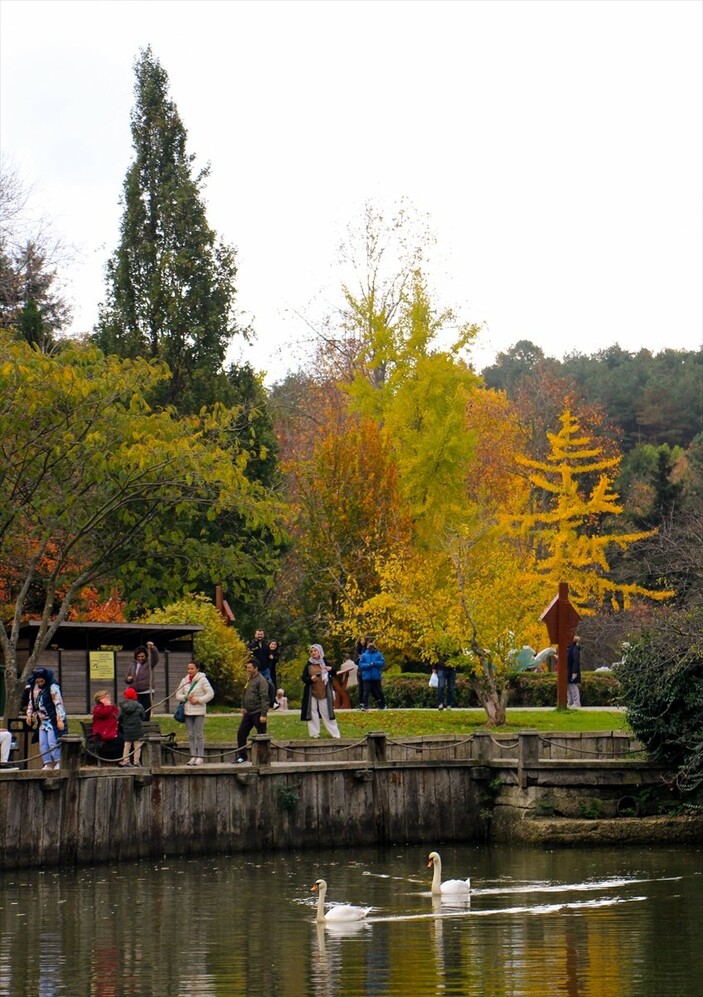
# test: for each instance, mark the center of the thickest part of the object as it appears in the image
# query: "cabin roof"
(90, 636)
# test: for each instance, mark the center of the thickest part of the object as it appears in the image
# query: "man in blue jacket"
(371, 665)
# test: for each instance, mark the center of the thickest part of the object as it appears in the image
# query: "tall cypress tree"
(170, 282)
(170, 296)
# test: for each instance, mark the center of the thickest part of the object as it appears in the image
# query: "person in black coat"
(573, 678)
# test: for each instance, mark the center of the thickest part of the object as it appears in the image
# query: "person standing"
(255, 704)
(359, 650)
(272, 656)
(132, 715)
(573, 665)
(318, 697)
(194, 692)
(140, 675)
(259, 650)
(371, 665)
(446, 682)
(45, 707)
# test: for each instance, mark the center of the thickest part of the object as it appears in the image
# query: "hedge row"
(526, 689)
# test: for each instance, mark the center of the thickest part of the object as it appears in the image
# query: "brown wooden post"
(152, 749)
(261, 750)
(527, 754)
(71, 746)
(483, 746)
(561, 619)
(376, 747)
(562, 645)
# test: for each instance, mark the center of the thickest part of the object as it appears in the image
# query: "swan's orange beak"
(430, 863)
(314, 887)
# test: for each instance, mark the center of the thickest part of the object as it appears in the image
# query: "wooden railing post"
(261, 750)
(376, 747)
(483, 746)
(71, 746)
(151, 752)
(527, 754)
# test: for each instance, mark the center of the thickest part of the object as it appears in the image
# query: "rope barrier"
(28, 758)
(588, 751)
(429, 746)
(504, 744)
(318, 749)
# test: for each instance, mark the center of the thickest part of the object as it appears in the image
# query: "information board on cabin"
(102, 664)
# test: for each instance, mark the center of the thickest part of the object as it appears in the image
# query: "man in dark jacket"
(255, 704)
(259, 650)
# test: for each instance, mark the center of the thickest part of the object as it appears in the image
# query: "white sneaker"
(191, 761)
(197, 761)
(57, 765)
(45, 767)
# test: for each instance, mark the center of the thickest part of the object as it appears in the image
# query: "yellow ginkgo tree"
(566, 526)
(468, 599)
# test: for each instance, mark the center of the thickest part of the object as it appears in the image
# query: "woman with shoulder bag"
(194, 692)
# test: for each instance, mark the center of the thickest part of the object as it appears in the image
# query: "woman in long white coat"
(318, 702)
(194, 692)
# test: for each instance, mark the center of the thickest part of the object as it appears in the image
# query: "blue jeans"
(445, 688)
(49, 745)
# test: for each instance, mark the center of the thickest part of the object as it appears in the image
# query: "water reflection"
(584, 924)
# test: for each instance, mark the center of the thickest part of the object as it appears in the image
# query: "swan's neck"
(321, 894)
(437, 876)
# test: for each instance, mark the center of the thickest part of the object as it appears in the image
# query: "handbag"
(180, 715)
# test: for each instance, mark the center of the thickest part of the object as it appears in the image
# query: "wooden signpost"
(562, 620)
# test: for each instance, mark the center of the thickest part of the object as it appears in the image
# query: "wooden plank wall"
(107, 815)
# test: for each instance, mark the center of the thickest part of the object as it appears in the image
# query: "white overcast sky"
(556, 147)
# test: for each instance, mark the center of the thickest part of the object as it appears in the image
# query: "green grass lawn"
(407, 723)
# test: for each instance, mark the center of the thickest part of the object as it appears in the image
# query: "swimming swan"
(343, 912)
(449, 885)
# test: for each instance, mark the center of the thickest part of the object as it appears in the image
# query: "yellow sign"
(102, 664)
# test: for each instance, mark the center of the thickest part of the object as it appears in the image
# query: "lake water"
(581, 923)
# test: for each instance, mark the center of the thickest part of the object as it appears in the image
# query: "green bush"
(410, 690)
(540, 689)
(218, 648)
(662, 689)
(533, 689)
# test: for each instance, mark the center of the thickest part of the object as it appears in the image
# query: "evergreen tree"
(170, 283)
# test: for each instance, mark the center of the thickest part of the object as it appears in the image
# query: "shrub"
(662, 689)
(533, 689)
(411, 690)
(540, 689)
(218, 649)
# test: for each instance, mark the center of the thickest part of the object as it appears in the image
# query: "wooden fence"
(426, 790)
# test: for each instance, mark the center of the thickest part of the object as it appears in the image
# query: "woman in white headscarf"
(318, 697)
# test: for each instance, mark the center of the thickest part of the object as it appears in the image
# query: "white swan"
(456, 886)
(342, 912)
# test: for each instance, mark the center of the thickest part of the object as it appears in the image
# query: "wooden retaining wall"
(83, 815)
(385, 792)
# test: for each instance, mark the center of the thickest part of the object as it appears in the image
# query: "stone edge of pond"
(575, 832)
